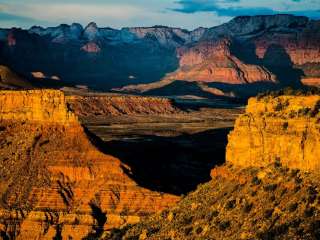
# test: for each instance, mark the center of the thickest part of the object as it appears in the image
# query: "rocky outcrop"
(93, 106)
(91, 48)
(43, 106)
(10, 80)
(54, 182)
(284, 129)
(214, 62)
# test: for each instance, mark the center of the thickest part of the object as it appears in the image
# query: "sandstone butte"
(284, 129)
(54, 182)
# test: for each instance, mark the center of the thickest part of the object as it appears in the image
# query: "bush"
(224, 225)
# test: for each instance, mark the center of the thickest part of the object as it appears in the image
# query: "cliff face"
(54, 182)
(86, 106)
(284, 129)
(43, 106)
(214, 62)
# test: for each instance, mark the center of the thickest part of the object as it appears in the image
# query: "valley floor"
(170, 153)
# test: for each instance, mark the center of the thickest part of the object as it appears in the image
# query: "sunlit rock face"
(276, 42)
(214, 62)
(284, 129)
(54, 182)
(90, 106)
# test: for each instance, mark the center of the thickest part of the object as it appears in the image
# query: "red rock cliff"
(54, 182)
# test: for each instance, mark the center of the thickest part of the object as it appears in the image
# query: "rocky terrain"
(268, 188)
(272, 202)
(114, 105)
(239, 58)
(285, 128)
(10, 80)
(55, 184)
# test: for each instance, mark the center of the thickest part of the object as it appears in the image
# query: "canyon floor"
(171, 153)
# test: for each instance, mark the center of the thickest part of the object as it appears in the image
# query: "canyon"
(143, 133)
(54, 182)
(239, 58)
(267, 189)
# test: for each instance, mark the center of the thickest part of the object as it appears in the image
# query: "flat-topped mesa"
(84, 106)
(283, 129)
(42, 106)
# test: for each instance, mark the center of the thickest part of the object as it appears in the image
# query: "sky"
(188, 14)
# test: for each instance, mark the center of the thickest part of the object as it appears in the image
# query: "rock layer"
(214, 62)
(86, 106)
(54, 181)
(284, 129)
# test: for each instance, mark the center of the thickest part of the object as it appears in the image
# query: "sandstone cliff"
(268, 189)
(54, 182)
(92, 106)
(283, 129)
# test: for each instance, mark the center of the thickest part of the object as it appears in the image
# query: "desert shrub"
(199, 230)
(270, 187)
(268, 213)
(224, 225)
(215, 213)
(230, 204)
(308, 212)
(247, 207)
(285, 125)
(305, 91)
(256, 180)
(306, 111)
(188, 230)
(293, 207)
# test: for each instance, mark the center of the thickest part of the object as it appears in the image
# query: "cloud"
(234, 8)
(61, 12)
(11, 20)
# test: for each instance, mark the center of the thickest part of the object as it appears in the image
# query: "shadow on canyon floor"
(170, 164)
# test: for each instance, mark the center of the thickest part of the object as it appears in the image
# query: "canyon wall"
(54, 182)
(87, 106)
(214, 62)
(46, 106)
(281, 129)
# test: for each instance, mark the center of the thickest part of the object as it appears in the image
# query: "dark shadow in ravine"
(170, 164)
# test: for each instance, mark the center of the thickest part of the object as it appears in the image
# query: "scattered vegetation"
(305, 91)
(242, 206)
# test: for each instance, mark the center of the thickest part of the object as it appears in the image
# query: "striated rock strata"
(284, 129)
(213, 62)
(86, 106)
(54, 183)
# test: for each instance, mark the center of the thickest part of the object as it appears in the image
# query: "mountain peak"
(91, 32)
(92, 25)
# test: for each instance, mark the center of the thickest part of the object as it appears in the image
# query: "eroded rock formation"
(54, 181)
(86, 106)
(214, 62)
(284, 129)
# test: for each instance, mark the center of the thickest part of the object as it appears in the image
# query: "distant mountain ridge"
(246, 51)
